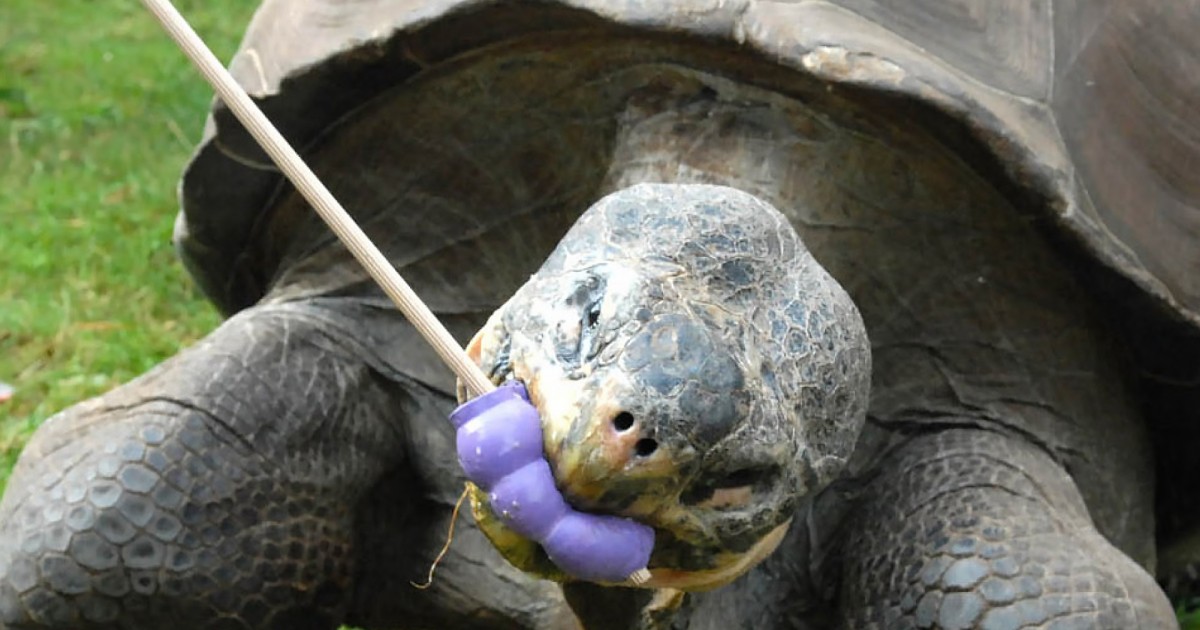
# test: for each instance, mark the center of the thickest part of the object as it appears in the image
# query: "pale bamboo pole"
(319, 196)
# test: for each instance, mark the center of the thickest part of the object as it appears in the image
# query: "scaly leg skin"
(239, 485)
(975, 529)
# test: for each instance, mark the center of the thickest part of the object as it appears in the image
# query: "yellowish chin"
(732, 567)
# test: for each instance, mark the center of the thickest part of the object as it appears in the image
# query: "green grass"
(98, 114)
(1189, 620)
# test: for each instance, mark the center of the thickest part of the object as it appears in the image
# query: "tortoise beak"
(605, 455)
(609, 456)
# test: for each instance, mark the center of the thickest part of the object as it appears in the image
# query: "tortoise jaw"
(726, 568)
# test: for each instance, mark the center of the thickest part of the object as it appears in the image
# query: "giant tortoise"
(1004, 192)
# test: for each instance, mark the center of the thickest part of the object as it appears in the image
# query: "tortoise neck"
(686, 134)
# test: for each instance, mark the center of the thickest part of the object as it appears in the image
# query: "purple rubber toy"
(500, 448)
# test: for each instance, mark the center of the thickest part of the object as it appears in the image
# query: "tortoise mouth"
(657, 485)
(724, 566)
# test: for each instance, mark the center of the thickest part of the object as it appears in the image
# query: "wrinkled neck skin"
(973, 318)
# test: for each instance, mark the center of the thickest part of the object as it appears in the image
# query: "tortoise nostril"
(624, 423)
(645, 447)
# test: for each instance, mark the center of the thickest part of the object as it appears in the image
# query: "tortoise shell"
(1083, 106)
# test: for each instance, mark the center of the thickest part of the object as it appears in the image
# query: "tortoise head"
(694, 368)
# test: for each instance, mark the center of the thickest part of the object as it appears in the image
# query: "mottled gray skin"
(739, 363)
(295, 470)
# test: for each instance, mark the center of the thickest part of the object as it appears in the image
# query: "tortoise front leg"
(242, 484)
(975, 529)
(215, 491)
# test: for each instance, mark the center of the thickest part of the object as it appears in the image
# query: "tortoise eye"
(578, 339)
(589, 342)
(593, 314)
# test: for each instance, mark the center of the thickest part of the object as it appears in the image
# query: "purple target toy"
(500, 448)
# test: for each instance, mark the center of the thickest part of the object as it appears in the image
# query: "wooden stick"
(319, 196)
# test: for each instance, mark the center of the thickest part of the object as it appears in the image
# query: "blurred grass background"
(99, 112)
(98, 115)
